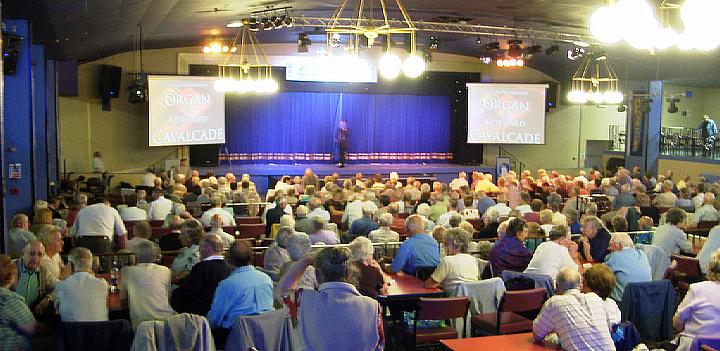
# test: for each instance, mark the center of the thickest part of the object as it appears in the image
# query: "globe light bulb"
(577, 96)
(604, 25)
(613, 97)
(596, 97)
(665, 38)
(390, 66)
(414, 66)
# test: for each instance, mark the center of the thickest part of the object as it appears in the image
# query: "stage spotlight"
(479, 40)
(492, 46)
(576, 53)
(515, 48)
(279, 21)
(253, 24)
(288, 21)
(433, 43)
(303, 42)
(553, 49)
(673, 107)
(334, 40)
(137, 92)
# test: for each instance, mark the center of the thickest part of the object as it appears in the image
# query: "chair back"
(687, 265)
(477, 223)
(251, 230)
(109, 335)
(707, 224)
(442, 308)
(248, 220)
(523, 300)
(532, 217)
(267, 331)
(157, 232)
(229, 229)
(157, 223)
(423, 273)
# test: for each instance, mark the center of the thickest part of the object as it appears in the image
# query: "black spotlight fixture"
(478, 40)
(515, 48)
(492, 46)
(433, 43)
(278, 21)
(575, 53)
(303, 42)
(288, 21)
(621, 108)
(11, 52)
(673, 104)
(137, 91)
(552, 49)
(253, 24)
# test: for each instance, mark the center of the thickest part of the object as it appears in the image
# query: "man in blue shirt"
(363, 226)
(419, 250)
(629, 264)
(708, 130)
(246, 291)
(484, 202)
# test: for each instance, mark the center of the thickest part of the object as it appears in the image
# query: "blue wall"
(28, 125)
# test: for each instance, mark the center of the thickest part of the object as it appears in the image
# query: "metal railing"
(515, 164)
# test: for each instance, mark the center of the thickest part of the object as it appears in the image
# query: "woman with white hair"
(146, 286)
(384, 234)
(457, 266)
(297, 245)
(697, 315)
(371, 280)
(276, 254)
(423, 210)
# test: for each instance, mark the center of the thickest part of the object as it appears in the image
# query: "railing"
(616, 135)
(515, 163)
(159, 164)
(688, 142)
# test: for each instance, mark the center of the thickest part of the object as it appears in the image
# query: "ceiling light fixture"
(433, 43)
(242, 73)
(595, 81)
(515, 49)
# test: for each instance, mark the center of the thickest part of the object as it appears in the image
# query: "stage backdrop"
(301, 126)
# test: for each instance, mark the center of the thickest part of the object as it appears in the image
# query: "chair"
(93, 186)
(157, 232)
(183, 331)
(532, 217)
(423, 273)
(400, 230)
(229, 229)
(436, 309)
(687, 272)
(507, 319)
(658, 259)
(476, 223)
(157, 223)
(540, 280)
(707, 224)
(167, 259)
(250, 231)
(268, 331)
(650, 307)
(248, 220)
(484, 295)
(109, 335)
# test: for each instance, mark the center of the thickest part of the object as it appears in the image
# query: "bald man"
(34, 281)
(419, 250)
(195, 293)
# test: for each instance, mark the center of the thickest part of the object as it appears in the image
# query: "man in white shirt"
(82, 297)
(132, 212)
(553, 255)
(445, 217)
(217, 229)
(353, 209)
(524, 206)
(96, 226)
(227, 219)
(501, 207)
(579, 320)
(148, 179)
(160, 207)
(459, 182)
(316, 210)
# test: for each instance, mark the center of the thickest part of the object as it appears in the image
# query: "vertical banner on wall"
(502, 166)
(637, 115)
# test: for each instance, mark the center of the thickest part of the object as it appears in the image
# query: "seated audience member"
(19, 235)
(276, 254)
(303, 224)
(41, 218)
(712, 244)
(364, 225)
(423, 210)
(619, 224)
(171, 241)
(625, 198)
(82, 297)
(246, 291)
(684, 200)
(443, 219)
(96, 226)
(141, 232)
(438, 233)
(217, 228)
(469, 212)
(483, 203)
(665, 199)
(706, 212)
(555, 254)
(546, 220)
(34, 282)
(370, 276)
(335, 303)
(273, 215)
(578, 319)
(629, 264)
(336, 204)
(192, 233)
(492, 222)
(146, 286)
(160, 206)
(316, 209)
(384, 234)
(509, 252)
(17, 323)
(322, 235)
(207, 217)
(601, 280)
(456, 266)
(671, 238)
(573, 220)
(501, 207)
(132, 212)
(298, 245)
(418, 250)
(595, 240)
(52, 240)
(524, 206)
(195, 293)
(80, 202)
(554, 200)
(459, 182)
(697, 315)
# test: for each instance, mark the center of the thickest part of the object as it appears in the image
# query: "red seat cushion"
(432, 334)
(509, 322)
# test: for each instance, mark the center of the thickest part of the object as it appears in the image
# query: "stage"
(267, 173)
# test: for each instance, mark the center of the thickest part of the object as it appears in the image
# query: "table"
(408, 287)
(511, 342)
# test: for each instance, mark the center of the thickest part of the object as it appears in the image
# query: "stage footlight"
(390, 66)
(413, 66)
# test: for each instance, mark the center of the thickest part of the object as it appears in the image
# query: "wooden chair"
(476, 223)
(229, 229)
(687, 272)
(157, 232)
(436, 309)
(248, 220)
(250, 231)
(532, 217)
(156, 223)
(167, 259)
(507, 319)
(707, 224)
(400, 230)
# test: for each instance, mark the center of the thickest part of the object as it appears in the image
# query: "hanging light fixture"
(361, 25)
(241, 73)
(595, 81)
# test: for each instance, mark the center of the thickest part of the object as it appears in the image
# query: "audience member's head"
(8, 272)
(20, 221)
(619, 223)
(645, 223)
(145, 252)
(287, 220)
(318, 223)
(675, 216)
(192, 230)
(141, 229)
(301, 211)
(559, 232)
(131, 200)
(534, 230)
(599, 279)
(51, 238)
(385, 219)
(361, 249)
(546, 216)
(567, 279)
(32, 254)
(515, 229)
(415, 224)
(282, 234)
(713, 274)
(455, 220)
(438, 233)
(333, 265)
(81, 259)
(297, 245)
(590, 226)
(571, 215)
(211, 245)
(536, 205)
(240, 253)
(619, 241)
(43, 216)
(456, 241)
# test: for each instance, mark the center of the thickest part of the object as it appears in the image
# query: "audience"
(82, 297)
(277, 254)
(191, 234)
(595, 240)
(629, 264)
(298, 245)
(34, 282)
(383, 233)
(208, 216)
(510, 252)
(146, 286)
(160, 206)
(216, 228)
(363, 225)
(97, 225)
(52, 240)
(19, 235)
(578, 319)
(141, 232)
(322, 235)
(131, 212)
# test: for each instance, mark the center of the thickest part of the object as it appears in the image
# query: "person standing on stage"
(709, 130)
(341, 138)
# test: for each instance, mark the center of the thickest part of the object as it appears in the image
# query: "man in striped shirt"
(578, 319)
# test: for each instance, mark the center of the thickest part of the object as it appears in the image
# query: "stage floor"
(262, 174)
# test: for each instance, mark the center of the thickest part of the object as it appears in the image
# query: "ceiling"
(89, 29)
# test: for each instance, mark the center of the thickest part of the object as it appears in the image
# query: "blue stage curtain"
(300, 126)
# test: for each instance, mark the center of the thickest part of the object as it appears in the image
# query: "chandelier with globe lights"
(595, 82)
(241, 72)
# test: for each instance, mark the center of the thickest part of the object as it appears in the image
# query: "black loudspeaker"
(67, 77)
(204, 155)
(109, 82)
(551, 96)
